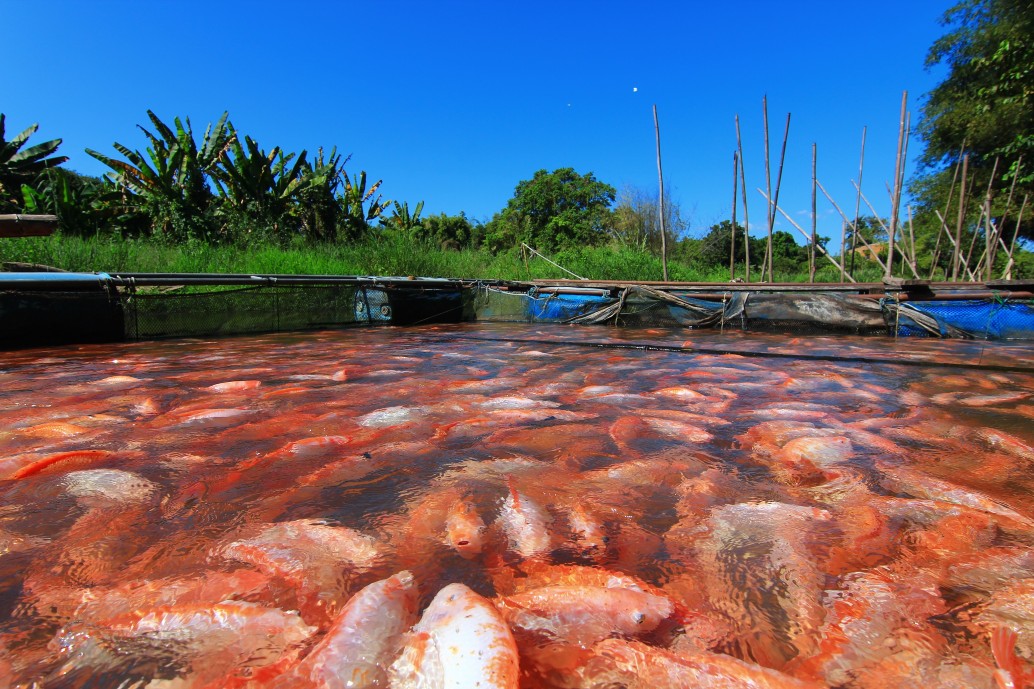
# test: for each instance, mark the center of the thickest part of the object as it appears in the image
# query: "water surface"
(845, 511)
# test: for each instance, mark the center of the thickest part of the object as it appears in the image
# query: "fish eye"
(639, 617)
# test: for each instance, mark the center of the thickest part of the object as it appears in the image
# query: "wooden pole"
(746, 216)
(814, 211)
(872, 210)
(732, 230)
(19, 225)
(770, 215)
(801, 230)
(901, 188)
(843, 248)
(775, 199)
(947, 205)
(660, 182)
(895, 205)
(1007, 273)
(985, 208)
(868, 246)
(857, 202)
(951, 239)
(912, 237)
(956, 253)
(1001, 226)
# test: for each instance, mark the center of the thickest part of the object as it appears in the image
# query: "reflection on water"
(829, 512)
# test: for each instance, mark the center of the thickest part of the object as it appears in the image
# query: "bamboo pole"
(843, 248)
(947, 205)
(660, 182)
(732, 229)
(896, 203)
(956, 252)
(803, 232)
(901, 187)
(985, 209)
(857, 201)
(814, 213)
(1007, 273)
(903, 253)
(775, 199)
(987, 219)
(872, 210)
(770, 213)
(912, 236)
(1005, 214)
(868, 246)
(746, 216)
(952, 240)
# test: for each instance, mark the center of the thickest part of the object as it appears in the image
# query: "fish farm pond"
(506, 505)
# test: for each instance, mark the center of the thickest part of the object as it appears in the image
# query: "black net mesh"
(139, 312)
(236, 311)
(58, 316)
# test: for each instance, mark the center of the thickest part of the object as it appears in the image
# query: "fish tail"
(514, 493)
(1003, 641)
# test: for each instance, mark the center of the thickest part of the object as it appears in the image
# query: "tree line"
(223, 187)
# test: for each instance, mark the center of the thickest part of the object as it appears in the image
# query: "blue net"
(562, 307)
(984, 320)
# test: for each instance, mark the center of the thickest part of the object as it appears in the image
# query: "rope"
(576, 276)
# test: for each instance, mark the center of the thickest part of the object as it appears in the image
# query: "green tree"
(554, 210)
(787, 254)
(449, 231)
(635, 220)
(22, 167)
(985, 105)
(357, 216)
(318, 205)
(258, 190)
(169, 183)
(72, 197)
(403, 219)
(714, 247)
(870, 229)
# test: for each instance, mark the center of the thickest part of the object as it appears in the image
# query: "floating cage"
(56, 308)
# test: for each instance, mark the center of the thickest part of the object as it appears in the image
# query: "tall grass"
(386, 255)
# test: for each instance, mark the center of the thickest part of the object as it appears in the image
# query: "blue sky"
(454, 103)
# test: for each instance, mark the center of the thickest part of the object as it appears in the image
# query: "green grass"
(387, 255)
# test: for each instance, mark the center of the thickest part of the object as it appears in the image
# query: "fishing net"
(643, 306)
(996, 319)
(278, 308)
(151, 306)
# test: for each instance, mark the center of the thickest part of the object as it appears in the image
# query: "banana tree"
(318, 208)
(22, 167)
(402, 219)
(259, 189)
(357, 216)
(170, 181)
(69, 196)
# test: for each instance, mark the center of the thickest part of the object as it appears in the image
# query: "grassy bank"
(385, 255)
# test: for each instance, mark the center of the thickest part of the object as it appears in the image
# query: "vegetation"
(983, 110)
(19, 167)
(554, 210)
(225, 203)
(390, 254)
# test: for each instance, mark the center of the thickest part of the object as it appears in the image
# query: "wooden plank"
(27, 225)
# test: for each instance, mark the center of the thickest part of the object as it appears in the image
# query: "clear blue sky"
(454, 103)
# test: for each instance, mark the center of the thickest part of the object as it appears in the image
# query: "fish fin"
(1003, 643)
(514, 493)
